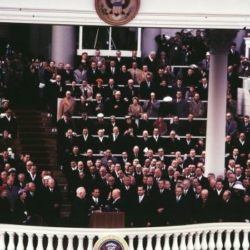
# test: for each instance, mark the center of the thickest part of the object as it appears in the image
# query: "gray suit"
(196, 108)
(231, 128)
(12, 195)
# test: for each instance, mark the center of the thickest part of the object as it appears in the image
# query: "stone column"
(148, 40)
(63, 44)
(219, 41)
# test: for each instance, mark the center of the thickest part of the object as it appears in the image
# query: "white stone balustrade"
(188, 237)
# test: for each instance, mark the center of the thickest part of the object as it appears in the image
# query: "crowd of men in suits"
(27, 196)
(151, 188)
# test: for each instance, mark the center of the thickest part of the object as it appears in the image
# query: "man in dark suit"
(202, 179)
(161, 157)
(95, 203)
(128, 193)
(151, 62)
(135, 59)
(245, 127)
(146, 87)
(205, 209)
(101, 142)
(51, 200)
(4, 158)
(180, 106)
(226, 208)
(117, 106)
(203, 89)
(110, 90)
(161, 206)
(145, 124)
(33, 199)
(156, 141)
(179, 211)
(116, 203)
(85, 141)
(231, 126)
(236, 157)
(243, 146)
(216, 194)
(233, 80)
(191, 126)
(57, 90)
(150, 189)
(68, 74)
(233, 56)
(229, 145)
(178, 87)
(187, 144)
(106, 191)
(191, 159)
(70, 140)
(63, 125)
(172, 144)
(93, 73)
(119, 60)
(98, 106)
(137, 153)
(34, 176)
(142, 216)
(9, 123)
(84, 122)
(144, 142)
(129, 91)
(177, 126)
(113, 71)
(115, 141)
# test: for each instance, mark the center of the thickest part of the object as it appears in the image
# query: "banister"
(186, 237)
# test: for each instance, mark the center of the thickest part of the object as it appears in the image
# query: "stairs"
(36, 138)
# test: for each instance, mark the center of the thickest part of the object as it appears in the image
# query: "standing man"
(51, 200)
(79, 210)
(142, 214)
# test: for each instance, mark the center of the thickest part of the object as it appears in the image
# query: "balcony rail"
(189, 237)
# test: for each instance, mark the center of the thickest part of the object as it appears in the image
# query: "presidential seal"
(111, 242)
(117, 12)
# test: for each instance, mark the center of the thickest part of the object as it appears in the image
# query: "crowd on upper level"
(157, 177)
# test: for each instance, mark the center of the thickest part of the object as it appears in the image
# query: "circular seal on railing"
(117, 12)
(111, 242)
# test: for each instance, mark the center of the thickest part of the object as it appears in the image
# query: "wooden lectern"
(107, 220)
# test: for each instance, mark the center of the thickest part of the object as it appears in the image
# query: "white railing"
(190, 237)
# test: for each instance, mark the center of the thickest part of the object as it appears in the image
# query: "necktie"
(96, 201)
